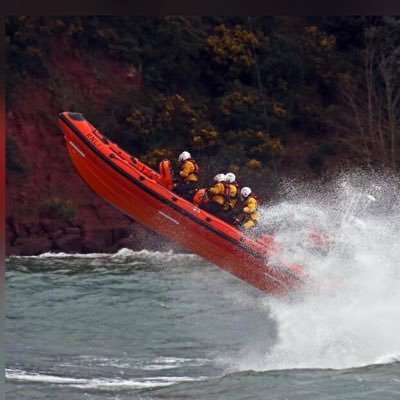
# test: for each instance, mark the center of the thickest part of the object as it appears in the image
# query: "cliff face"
(48, 206)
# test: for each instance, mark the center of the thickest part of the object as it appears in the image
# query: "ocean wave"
(388, 359)
(97, 383)
(121, 254)
(156, 364)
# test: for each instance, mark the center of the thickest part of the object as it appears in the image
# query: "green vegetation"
(56, 208)
(238, 89)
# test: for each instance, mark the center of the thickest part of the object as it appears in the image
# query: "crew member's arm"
(251, 206)
(218, 188)
(186, 169)
(233, 191)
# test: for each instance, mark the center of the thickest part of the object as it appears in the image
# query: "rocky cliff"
(48, 206)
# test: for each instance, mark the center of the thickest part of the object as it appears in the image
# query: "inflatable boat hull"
(141, 193)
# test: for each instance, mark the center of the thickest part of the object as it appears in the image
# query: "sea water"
(163, 325)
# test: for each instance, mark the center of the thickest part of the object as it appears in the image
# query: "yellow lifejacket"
(217, 193)
(233, 196)
(251, 210)
(189, 170)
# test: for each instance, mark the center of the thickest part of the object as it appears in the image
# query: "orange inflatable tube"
(145, 195)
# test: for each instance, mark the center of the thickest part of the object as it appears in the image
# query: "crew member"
(216, 195)
(232, 191)
(231, 197)
(188, 176)
(249, 213)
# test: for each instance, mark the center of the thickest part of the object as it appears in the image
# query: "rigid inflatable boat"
(146, 196)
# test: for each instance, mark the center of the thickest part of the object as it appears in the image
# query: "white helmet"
(245, 192)
(230, 177)
(219, 178)
(185, 155)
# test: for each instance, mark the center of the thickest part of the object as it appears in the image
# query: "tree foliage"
(235, 88)
(371, 97)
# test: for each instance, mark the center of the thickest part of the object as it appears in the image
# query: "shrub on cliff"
(56, 208)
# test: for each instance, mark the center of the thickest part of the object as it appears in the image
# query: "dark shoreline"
(46, 236)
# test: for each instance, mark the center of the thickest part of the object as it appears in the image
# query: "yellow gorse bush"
(140, 122)
(205, 138)
(233, 45)
(254, 164)
(154, 156)
(319, 48)
(234, 100)
(172, 106)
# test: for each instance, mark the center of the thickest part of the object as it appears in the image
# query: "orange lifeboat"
(146, 195)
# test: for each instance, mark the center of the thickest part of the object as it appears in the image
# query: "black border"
(205, 8)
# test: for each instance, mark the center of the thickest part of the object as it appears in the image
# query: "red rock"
(71, 243)
(31, 121)
(57, 234)
(21, 230)
(32, 245)
(35, 228)
(127, 242)
(119, 233)
(101, 237)
(94, 247)
(49, 225)
(10, 238)
(70, 230)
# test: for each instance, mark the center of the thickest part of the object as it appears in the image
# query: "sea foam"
(349, 314)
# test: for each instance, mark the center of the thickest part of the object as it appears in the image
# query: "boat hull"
(134, 189)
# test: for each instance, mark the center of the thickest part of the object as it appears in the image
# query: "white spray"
(351, 316)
